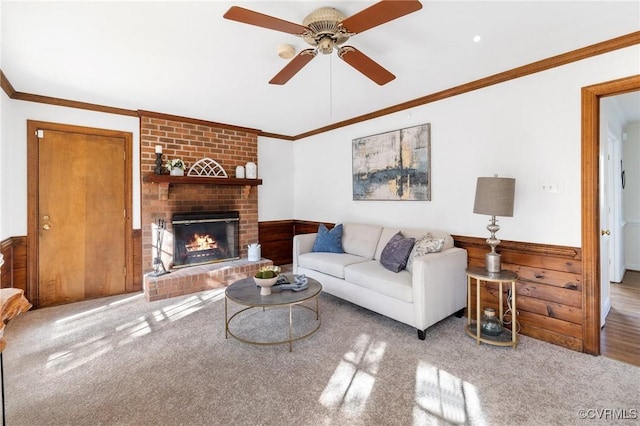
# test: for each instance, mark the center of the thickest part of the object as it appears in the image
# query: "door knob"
(605, 232)
(46, 226)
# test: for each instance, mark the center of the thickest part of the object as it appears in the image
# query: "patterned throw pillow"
(328, 241)
(395, 254)
(424, 245)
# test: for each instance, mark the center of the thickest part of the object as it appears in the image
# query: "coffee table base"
(290, 340)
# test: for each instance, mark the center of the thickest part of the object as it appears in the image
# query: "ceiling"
(183, 58)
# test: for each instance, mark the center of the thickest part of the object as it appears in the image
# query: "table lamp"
(494, 197)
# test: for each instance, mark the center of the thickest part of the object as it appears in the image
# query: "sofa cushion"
(416, 233)
(328, 240)
(424, 245)
(329, 263)
(374, 276)
(360, 239)
(395, 254)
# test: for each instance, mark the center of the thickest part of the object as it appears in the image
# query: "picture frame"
(393, 166)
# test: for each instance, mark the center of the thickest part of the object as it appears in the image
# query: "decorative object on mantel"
(175, 167)
(158, 265)
(394, 165)
(240, 172)
(158, 170)
(494, 197)
(252, 170)
(207, 168)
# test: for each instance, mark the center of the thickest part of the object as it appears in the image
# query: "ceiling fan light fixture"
(325, 45)
(286, 51)
(323, 23)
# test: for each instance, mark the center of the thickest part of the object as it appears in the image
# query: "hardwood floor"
(620, 337)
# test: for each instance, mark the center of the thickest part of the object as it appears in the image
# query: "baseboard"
(606, 308)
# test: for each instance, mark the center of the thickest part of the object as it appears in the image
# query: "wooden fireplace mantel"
(164, 181)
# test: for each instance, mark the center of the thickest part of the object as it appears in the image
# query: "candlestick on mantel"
(158, 170)
(158, 149)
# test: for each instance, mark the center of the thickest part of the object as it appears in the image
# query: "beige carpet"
(122, 360)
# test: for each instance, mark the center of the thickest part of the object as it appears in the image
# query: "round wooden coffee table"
(245, 292)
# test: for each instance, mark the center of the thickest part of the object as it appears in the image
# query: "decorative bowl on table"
(266, 277)
(265, 284)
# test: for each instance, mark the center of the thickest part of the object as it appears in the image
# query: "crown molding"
(532, 68)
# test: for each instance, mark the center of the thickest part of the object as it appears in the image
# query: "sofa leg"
(422, 334)
(460, 313)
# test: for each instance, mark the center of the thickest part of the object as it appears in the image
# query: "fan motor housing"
(325, 27)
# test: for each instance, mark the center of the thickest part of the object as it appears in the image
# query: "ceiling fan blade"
(365, 65)
(294, 66)
(379, 13)
(246, 16)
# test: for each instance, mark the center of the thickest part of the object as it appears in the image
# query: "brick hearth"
(191, 140)
(198, 278)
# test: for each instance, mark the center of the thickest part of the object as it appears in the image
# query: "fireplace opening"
(205, 237)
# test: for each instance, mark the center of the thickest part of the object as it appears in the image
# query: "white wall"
(4, 163)
(3, 103)
(631, 200)
(13, 162)
(275, 165)
(528, 129)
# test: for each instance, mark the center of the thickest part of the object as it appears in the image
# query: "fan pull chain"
(330, 86)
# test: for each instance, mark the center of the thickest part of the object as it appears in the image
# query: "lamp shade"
(494, 196)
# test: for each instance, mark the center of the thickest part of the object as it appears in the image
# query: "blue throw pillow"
(328, 241)
(395, 254)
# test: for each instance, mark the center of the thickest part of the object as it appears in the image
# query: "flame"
(204, 242)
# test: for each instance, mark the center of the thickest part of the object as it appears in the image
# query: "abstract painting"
(393, 165)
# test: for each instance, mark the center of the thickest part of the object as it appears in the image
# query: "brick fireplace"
(191, 140)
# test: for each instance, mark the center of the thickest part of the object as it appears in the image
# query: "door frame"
(590, 204)
(33, 197)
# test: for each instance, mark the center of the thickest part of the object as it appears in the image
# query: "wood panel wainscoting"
(14, 270)
(276, 237)
(549, 286)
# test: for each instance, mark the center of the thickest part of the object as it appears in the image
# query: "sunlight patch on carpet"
(76, 322)
(79, 354)
(134, 329)
(187, 306)
(443, 396)
(353, 379)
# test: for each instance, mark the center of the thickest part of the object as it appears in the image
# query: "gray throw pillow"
(395, 254)
(424, 245)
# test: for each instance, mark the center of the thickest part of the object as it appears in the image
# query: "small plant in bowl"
(176, 167)
(265, 278)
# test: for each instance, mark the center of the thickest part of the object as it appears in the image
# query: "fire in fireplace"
(205, 237)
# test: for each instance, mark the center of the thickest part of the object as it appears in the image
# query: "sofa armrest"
(439, 285)
(302, 243)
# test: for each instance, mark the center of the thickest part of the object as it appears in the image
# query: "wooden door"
(82, 216)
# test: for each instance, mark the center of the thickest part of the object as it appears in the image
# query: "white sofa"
(434, 290)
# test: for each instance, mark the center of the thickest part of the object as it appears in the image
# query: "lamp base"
(492, 261)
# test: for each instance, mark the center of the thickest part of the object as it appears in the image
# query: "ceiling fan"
(327, 29)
